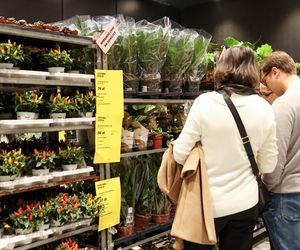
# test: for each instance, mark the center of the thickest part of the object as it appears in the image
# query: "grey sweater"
(286, 176)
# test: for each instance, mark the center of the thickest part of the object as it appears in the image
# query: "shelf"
(151, 233)
(45, 125)
(14, 30)
(146, 152)
(156, 101)
(48, 185)
(42, 82)
(58, 237)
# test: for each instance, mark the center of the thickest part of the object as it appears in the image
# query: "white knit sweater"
(232, 183)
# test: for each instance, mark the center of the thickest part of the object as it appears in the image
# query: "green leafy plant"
(65, 208)
(298, 68)
(179, 55)
(12, 162)
(56, 58)
(262, 52)
(42, 159)
(196, 67)
(152, 41)
(59, 104)
(12, 53)
(86, 102)
(28, 101)
(71, 155)
(23, 218)
(231, 41)
(91, 206)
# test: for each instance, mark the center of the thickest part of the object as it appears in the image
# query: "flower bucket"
(160, 218)
(39, 172)
(27, 116)
(125, 231)
(57, 115)
(87, 114)
(6, 65)
(4, 178)
(56, 69)
(20, 231)
(67, 167)
(142, 221)
(156, 141)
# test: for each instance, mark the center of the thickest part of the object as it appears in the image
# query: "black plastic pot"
(172, 86)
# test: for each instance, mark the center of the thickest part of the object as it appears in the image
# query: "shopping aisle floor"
(263, 245)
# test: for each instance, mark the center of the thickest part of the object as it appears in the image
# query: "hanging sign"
(110, 192)
(108, 37)
(109, 115)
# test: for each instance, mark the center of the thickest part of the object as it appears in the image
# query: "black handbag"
(264, 195)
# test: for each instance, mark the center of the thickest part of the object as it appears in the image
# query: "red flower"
(28, 209)
(29, 217)
(43, 155)
(36, 152)
(75, 199)
(61, 209)
(47, 148)
(77, 205)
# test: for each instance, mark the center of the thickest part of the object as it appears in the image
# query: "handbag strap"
(242, 130)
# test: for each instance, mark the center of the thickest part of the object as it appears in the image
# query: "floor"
(263, 245)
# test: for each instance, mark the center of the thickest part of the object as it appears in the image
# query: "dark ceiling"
(183, 3)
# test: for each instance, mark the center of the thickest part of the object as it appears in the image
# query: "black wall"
(276, 22)
(55, 10)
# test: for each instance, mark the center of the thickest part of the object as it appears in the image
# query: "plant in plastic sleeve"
(197, 67)
(179, 58)
(152, 41)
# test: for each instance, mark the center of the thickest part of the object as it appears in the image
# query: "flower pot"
(56, 69)
(160, 218)
(68, 167)
(131, 85)
(20, 231)
(172, 86)
(87, 114)
(141, 221)
(27, 116)
(125, 231)
(192, 86)
(44, 227)
(57, 115)
(157, 141)
(4, 178)
(6, 65)
(6, 116)
(39, 172)
(74, 71)
(151, 85)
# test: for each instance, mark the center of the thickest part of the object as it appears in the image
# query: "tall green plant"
(153, 41)
(197, 66)
(179, 55)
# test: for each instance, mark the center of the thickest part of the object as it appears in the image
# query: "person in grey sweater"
(278, 73)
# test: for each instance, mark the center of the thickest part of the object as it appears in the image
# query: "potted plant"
(22, 220)
(156, 138)
(86, 103)
(65, 208)
(11, 54)
(126, 172)
(41, 161)
(69, 244)
(179, 58)
(11, 164)
(56, 60)
(71, 156)
(43, 214)
(142, 194)
(58, 105)
(27, 105)
(152, 41)
(161, 208)
(91, 206)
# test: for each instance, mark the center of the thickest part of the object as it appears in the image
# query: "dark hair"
(237, 65)
(280, 60)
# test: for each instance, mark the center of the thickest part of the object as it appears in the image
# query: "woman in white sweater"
(232, 184)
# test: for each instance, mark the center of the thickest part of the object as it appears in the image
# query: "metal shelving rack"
(41, 37)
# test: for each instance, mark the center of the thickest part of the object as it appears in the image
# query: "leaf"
(230, 41)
